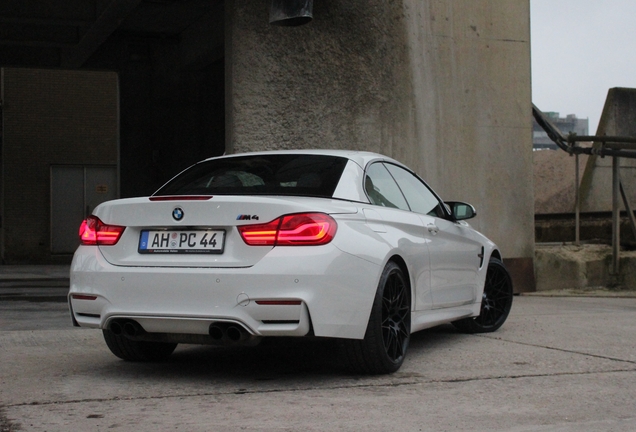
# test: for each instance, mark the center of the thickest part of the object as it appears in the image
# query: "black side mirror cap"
(461, 210)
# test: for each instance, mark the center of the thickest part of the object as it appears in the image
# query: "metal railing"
(616, 147)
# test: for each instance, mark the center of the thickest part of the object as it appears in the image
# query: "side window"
(382, 189)
(418, 195)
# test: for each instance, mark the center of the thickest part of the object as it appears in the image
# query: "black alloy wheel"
(396, 314)
(389, 330)
(496, 301)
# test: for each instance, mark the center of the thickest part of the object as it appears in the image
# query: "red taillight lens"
(260, 234)
(94, 232)
(306, 229)
(302, 229)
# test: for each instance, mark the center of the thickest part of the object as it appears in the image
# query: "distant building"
(567, 125)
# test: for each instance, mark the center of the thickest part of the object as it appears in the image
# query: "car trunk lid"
(198, 231)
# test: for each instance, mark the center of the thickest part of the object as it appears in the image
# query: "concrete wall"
(554, 181)
(50, 117)
(443, 86)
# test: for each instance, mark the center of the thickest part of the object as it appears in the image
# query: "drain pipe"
(291, 13)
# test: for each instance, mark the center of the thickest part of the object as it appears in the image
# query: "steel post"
(616, 215)
(577, 203)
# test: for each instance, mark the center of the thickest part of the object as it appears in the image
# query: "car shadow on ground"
(273, 359)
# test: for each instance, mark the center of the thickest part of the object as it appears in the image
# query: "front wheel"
(496, 301)
(389, 329)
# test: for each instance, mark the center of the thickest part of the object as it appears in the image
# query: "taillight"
(302, 229)
(306, 228)
(94, 232)
(261, 234)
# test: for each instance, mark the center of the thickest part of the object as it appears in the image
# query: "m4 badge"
(247, 217)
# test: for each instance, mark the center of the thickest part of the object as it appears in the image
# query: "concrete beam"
(110, 19)
(67, 12)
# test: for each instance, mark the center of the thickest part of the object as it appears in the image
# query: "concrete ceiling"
(66, 33)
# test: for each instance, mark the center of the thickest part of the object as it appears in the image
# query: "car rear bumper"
(290, 291)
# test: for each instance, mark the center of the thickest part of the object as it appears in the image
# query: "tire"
(386, 339)
(496, 301)
(138, 351)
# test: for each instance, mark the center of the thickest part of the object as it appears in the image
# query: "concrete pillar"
(443, 86)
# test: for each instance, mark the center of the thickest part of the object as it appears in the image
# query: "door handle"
(432, 228)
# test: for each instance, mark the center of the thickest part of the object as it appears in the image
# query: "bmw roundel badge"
(177, 213)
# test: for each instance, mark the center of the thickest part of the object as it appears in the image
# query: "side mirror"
(461, 210)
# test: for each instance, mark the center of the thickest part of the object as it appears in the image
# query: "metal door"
(75, 192)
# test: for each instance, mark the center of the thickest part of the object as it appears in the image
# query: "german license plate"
(184, 242)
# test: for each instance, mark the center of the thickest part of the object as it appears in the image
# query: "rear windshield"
(285, 174)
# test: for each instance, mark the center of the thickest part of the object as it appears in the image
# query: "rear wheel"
(133, 350)
(388, 333)
(496, 301)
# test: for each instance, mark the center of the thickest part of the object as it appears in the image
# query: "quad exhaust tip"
(220, 332)
(128, 328)
(227, 332)
(132, 329)
(116, 328)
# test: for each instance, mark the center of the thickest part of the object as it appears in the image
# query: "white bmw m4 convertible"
(336, 244)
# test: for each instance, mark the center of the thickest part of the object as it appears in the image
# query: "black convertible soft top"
(280, 174)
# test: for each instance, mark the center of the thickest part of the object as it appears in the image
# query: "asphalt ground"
(558, 364)
(34, 282)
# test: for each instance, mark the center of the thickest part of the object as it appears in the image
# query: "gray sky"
(581, 49)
